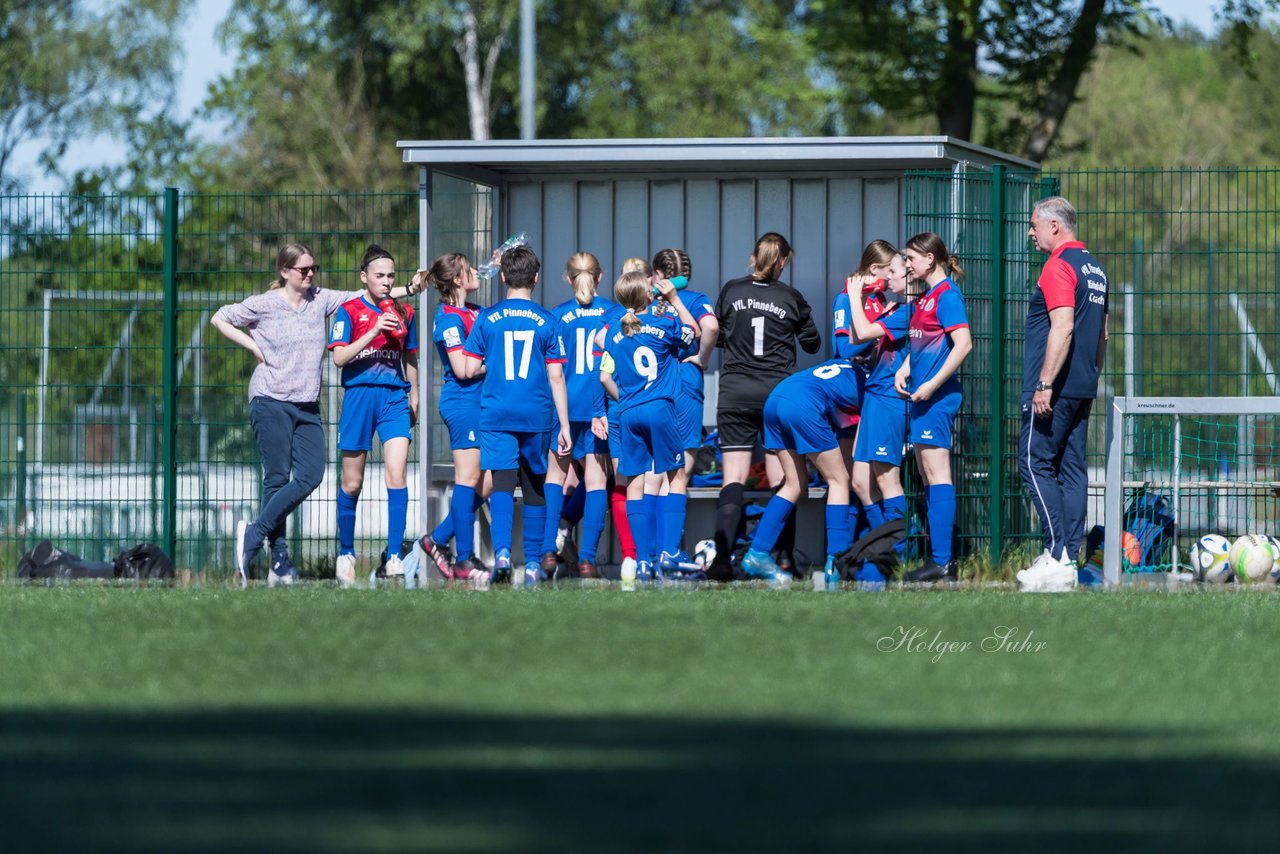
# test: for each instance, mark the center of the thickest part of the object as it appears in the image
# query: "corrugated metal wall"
(716, 220)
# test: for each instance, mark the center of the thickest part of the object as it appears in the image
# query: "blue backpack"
(1149, 519)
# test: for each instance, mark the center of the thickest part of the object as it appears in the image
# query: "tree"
(1016, 65)
(75, 69)
(325, 87)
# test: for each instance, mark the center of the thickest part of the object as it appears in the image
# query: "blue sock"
(893, 508)
(838, 534)
(534, 520)
(770, 524)
(574, 505)
(347, 522)
(444, 531)
(942, 519)
(594, 508)
(856, 520)
(896, 508)
(639, 520)
(551, 524)
(673, 509)
(653, 514)
(502, 513)
(397, 510)
(875, 516)
(462, 509)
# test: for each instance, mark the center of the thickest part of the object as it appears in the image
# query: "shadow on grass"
(290, 780)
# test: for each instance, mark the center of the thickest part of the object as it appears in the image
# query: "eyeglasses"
(307, 271)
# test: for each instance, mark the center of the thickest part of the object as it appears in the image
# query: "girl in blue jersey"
(375, 343)
(877, 453)
(939, 342)
(800, 419)
(579, 322)
(452, 276)
(866, 297)
(642, 373)
(676, 266)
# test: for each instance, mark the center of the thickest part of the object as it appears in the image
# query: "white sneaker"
(345, 570)
(393, 567)
(1048, 575)
(628, 573)
(242, 529)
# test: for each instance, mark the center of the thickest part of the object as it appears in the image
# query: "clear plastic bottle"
(490, 268)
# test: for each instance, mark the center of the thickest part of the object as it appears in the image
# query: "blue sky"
(205, 61)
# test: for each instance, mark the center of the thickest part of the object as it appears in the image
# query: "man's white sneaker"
(1048, 575)
(345, 570)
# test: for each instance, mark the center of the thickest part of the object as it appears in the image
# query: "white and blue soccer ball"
(704, 553)
(1275, 565)
(1251, 557)
(1209, 559)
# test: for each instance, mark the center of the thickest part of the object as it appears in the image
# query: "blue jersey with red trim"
(516, 339)
(700, 306)
(646, 364)
(452, 326)
(379, 363)
(830, 388)
(578, 325)
(1071, 277)
(934, 316)
(842, 330)
(891, 348)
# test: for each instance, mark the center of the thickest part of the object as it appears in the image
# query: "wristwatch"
(1044, 386)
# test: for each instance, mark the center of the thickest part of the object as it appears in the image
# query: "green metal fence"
(123, 414)
(1193, 258)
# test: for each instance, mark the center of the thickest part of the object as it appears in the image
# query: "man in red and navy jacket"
(1066, 337)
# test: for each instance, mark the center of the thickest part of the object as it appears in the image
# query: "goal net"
(1214, 459)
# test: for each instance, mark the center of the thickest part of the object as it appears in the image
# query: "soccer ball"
(704, 553)
(1275, 565)
(1209, 559)
(1251, 557)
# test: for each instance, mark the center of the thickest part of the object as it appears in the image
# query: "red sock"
(618, 504)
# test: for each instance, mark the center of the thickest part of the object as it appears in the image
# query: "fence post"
(169, 407)
(999, 286)
(20, 488)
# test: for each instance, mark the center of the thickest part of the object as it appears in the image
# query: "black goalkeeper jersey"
(760, 323)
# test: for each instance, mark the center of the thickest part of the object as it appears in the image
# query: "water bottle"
(490, 268)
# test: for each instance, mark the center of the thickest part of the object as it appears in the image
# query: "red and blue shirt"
(379, 363)
(891, 349)
(1071, 277)
(452, 326)
(842, 329)
(516, 339)
(933, 318)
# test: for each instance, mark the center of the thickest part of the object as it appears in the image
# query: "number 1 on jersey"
(586, 360)
(525, 338)
(757, 327)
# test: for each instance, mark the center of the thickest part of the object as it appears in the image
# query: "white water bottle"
(490, 268)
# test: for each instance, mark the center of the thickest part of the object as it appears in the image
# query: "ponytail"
(771, 254)
(583, 271)
(443, 275)
(632, 293)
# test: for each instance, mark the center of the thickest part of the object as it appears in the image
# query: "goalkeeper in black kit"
(761, 319)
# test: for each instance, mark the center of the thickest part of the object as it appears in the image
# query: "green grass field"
(575, 720)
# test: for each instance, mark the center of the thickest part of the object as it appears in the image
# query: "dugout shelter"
(631, 197)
